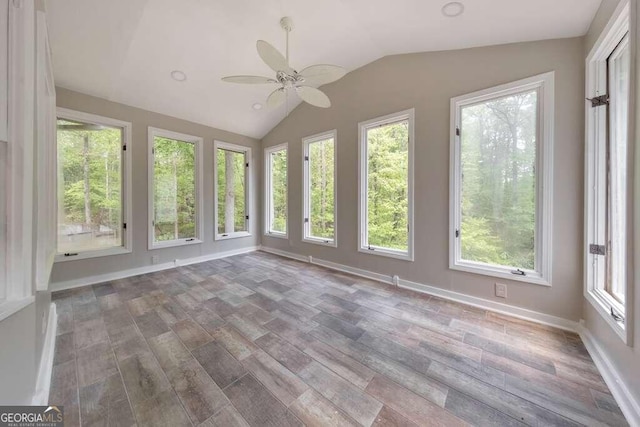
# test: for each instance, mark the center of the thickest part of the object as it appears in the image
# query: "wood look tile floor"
(261, 340)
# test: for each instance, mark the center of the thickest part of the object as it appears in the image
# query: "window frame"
(268, 220)
(542, 274)
(248, 189)
(198, 143)
(363, 179)
(306, 198)
(127, 209)
(596, 184)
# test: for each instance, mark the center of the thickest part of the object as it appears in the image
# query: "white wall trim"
(100, 278)
(519, 312)
(629, 404)
(43, 382)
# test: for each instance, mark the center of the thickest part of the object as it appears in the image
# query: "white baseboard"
(100, 278)
(521, 313)
(497, 307)
(43, 382)
(628, 403)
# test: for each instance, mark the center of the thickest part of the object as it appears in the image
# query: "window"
(94, 208)
(501, 181)
(175, 189)
(607, 177)
(276, 191)
(319, 222)
(386, 186)
(232, 168)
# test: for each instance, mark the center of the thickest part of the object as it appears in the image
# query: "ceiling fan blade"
(274, 59)
(251, 80)
(322, 74)
(313, 96)
(276, 98)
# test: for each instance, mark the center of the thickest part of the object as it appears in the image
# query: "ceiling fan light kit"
(287, 78)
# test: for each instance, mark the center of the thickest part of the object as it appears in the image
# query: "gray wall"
(626, 359)
(141, 256)
(427, 81)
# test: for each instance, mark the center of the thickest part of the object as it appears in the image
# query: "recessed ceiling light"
(178, 76)
(257, 106)
(453, 9)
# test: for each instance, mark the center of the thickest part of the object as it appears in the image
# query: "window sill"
(174, 243)
(387, 253)
(602, 304)
(93, 254)
(322, 242)
(277, 235)
(7, 308)
(236, 235)
(497, 272)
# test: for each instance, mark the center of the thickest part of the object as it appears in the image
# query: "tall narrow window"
(386, 186)
(174, 182)
(501, 167)
(93, 205)
(607, 175)
(232, 182)
(319, 222)
(276, 191)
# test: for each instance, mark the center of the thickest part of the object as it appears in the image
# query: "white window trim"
(16, 290)
(198, 143)
(408, 115)
(306, 205)
(127, 212)
(248, 189)
(267, 191)
(596, 131)
(544, 83)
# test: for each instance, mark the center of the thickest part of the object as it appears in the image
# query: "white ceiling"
(124, 50)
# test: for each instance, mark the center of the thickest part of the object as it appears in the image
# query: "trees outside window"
(175, 188)
(232, 190)
(276, 191)
(319, 221)
(386, 185)
(92, 185)
(499, 168)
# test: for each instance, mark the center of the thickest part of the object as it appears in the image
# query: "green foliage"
(321, 179)
(279, 190)
(498, 181)
(89, 173)
(387, 204)
(237, 196)
(174, 189)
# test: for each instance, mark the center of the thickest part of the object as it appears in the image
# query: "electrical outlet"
(155, 259)
(501, 290)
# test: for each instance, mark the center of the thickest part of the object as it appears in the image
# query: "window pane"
(174, 189)
(231, 191)
(90, 186)
(617, 188)
(388, 183)
(279, 191)
(498, 158)
(321, 191)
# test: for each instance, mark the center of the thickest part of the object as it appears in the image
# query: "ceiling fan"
(287, 78)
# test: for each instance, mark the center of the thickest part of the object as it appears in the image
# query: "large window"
(607, 176)
(93, 208)
(175, 187)
(276, 191)
(319, 222)
(500, 183)
(232, 167)
(386, 185)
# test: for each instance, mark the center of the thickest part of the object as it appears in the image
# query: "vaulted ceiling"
(125, 50)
